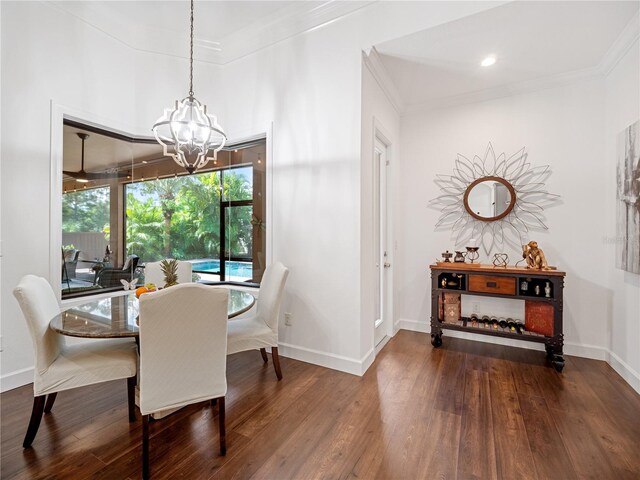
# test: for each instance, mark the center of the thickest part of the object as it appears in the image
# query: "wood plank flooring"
(467, 410)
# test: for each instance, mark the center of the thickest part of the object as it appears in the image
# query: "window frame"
(63, 115)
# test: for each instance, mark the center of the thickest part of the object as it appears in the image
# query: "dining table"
(116, 317)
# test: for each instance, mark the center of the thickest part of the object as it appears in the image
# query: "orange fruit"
(140, 291)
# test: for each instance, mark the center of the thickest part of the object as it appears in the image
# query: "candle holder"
(472, 253)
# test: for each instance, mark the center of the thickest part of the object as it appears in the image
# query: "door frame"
(380, 134)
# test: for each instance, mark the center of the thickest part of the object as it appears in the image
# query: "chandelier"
(187, 132)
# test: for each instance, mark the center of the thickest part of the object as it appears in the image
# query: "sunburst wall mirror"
(493, 201)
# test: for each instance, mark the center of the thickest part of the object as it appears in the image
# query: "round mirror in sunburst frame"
(496, 200)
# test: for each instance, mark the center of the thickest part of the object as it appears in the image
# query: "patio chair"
(110, 277)
(69, 264)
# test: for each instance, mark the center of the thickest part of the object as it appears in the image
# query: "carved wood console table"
(541, 291)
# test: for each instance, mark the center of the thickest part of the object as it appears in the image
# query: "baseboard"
(413, 325)
(16, 379)
(624, 370)
(359, 367)
(585, 351)
(328, 360)
(381, 345)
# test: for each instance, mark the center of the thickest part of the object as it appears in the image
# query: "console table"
(541, 290)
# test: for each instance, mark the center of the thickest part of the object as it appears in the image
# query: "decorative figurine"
(472, 253)
(524, 285)
(500, 260)
(534, 256)
(547, 290)
(459, 258)
(444, 283)
(447, 255)
(537, 290)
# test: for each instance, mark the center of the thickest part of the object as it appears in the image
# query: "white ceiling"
(213, 20)
(531, 40)
(224, 30)
(102, 152)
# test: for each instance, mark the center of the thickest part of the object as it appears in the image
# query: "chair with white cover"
(153, 273)
(59, 367)
(183, 344)
(259, 331)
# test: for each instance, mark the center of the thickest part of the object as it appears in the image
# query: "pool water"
(232, 269)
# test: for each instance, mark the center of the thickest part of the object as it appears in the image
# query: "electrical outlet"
(287, 318)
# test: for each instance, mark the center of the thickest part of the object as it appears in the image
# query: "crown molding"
(621, 45)
(293, 20)
(519, 88)
(373, 62)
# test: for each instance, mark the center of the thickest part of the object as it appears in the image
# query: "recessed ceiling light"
(490, 60)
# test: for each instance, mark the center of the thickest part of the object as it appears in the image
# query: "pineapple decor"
(170, 271)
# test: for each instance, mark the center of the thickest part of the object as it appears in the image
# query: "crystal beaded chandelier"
(187, 132)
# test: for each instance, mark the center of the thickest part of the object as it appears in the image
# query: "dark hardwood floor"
(466, 410)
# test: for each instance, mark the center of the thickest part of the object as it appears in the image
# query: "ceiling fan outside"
(85, 177)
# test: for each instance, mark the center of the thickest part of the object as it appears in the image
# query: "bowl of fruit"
(148, 287)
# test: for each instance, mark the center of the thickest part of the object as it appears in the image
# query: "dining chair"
(59, 367)
(260, 330)
(153, 273)
(183, 343)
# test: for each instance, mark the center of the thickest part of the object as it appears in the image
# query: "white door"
(381, 253)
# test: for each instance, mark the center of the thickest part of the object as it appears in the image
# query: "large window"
(191, 218)
(134, 205)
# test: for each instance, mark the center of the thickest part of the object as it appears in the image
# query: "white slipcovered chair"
(153, 273)
(260, 330)
(59, 367)
(183, 344)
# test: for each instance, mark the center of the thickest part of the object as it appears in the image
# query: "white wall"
(622, 106)
(306, 91)
(89, 72)
(561, 127)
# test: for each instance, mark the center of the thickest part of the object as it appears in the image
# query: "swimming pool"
(232, 269)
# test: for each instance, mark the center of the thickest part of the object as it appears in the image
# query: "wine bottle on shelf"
(494, 323)
(520, 327)
(474, 320)
(502, 322)
(511, 325)
(486, 321)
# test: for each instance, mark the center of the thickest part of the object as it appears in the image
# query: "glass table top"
(115, 317)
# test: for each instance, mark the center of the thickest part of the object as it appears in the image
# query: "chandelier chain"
(187, 133)
(191, 56)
